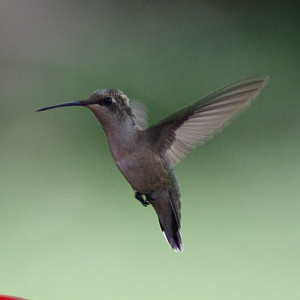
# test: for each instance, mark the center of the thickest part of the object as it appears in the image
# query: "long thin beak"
(75, 103)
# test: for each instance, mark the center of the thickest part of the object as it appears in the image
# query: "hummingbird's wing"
(198, 122)
(140, 110)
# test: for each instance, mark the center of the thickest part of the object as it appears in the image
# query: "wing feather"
(139, 109)
(198, 122)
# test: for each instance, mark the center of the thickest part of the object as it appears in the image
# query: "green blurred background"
(70, 227)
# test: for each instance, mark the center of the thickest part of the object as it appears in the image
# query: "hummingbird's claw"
(139, 197)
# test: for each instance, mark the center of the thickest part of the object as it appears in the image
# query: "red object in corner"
(4, 297)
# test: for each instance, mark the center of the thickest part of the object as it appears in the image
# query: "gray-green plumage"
(146, 156)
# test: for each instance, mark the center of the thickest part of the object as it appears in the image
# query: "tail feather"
(168, 212)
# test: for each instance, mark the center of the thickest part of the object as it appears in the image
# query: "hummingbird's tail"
(167, 207)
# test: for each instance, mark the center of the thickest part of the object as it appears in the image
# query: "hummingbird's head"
(109, 106)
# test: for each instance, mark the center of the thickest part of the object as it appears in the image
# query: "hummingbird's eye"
(108, 101)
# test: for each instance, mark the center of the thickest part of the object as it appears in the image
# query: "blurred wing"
(140, 111)
(198, 122)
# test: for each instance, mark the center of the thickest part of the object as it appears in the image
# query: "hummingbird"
(146, 155)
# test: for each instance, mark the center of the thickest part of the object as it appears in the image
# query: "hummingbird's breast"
(143, 169)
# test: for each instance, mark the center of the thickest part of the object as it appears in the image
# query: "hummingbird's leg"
(149, 198)
(139, 197)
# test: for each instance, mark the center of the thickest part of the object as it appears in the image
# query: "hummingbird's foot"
(139, 197)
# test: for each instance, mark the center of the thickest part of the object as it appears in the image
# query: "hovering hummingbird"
(146, 155)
